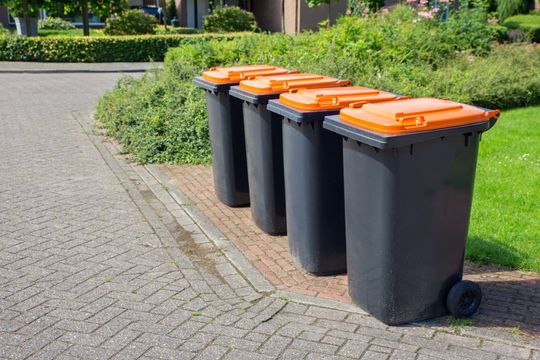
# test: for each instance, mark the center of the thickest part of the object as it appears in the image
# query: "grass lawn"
(74, 32)
(505, 220)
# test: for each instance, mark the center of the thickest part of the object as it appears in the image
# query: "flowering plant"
(430, 10)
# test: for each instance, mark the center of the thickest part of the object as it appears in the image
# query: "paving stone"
(353, 348)
(246, 355)
(402, 355)
(212, 352)
(313, 346)
(506, 349)
(163, 353)
(326, 313)
(371, 355)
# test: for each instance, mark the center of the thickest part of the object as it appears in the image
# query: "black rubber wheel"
(464, 299)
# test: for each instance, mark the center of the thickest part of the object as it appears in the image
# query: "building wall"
(4, 20)
(297, 15)
(309, 18)
(268, 14)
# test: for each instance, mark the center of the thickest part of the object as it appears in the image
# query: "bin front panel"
(225, 120)
(264, 150)
(407, 213)
(313, 163)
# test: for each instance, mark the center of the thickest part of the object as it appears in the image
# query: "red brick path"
(512, 298)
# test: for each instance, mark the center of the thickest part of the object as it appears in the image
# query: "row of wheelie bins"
(362, 181)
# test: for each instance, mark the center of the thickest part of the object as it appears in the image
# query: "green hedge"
(96, 49)
(529, 24)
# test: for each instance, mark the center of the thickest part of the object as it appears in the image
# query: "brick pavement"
(97, 260)
(511, 301)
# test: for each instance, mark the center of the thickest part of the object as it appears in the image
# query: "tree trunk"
(26, 16)
(165, 12)
(84, 15)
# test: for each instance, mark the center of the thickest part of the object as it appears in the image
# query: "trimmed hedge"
(97, 49)
(529, 24)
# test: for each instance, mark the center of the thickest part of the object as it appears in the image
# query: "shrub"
(169, 30)
(158, 118)
(95, 49)
(229, 19)
(397, 53)
(507, 8)
(131, 22)
(529, 24)
(54, 23)
(3, 31)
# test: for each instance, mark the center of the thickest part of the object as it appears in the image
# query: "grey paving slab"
(98, 260)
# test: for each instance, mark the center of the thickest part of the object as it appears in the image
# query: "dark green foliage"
(529, 24)
(171, 11)
(158, 118)
(95, 49)
(3, 31)
(228, 19)
(507, 8)
(131, 22)
(54, 23)
(161, 30)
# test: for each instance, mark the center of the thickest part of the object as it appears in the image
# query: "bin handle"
(357, 104)
(327, 100)
(412, 122)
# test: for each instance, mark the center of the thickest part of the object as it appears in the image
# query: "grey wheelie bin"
(313, 166)
(264, 143)
(225, 122)
(409, 170)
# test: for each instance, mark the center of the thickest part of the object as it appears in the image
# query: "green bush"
(169, 30)
(54, 23)
(229, 19)
(95, 49)
(529, 24)
(396, 52)
(507, 8)
(158, 118)
(131, 22)
(3, 31)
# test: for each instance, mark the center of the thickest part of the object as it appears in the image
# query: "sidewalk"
(511, 298)
(41, 67)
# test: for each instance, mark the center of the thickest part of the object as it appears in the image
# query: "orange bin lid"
(282, 83)
(223, 75)
(333, 98)
(413, 115)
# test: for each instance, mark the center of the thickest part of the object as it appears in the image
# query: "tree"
(102, 8)
(24, 8)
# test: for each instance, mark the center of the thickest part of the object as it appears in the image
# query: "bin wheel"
(464, 299)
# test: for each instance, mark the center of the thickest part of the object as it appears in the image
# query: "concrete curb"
(257, 280)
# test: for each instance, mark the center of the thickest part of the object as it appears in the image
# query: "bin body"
(225, 122)
(313, 168)
(407, 204)
(265, 167)
(264, 145)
